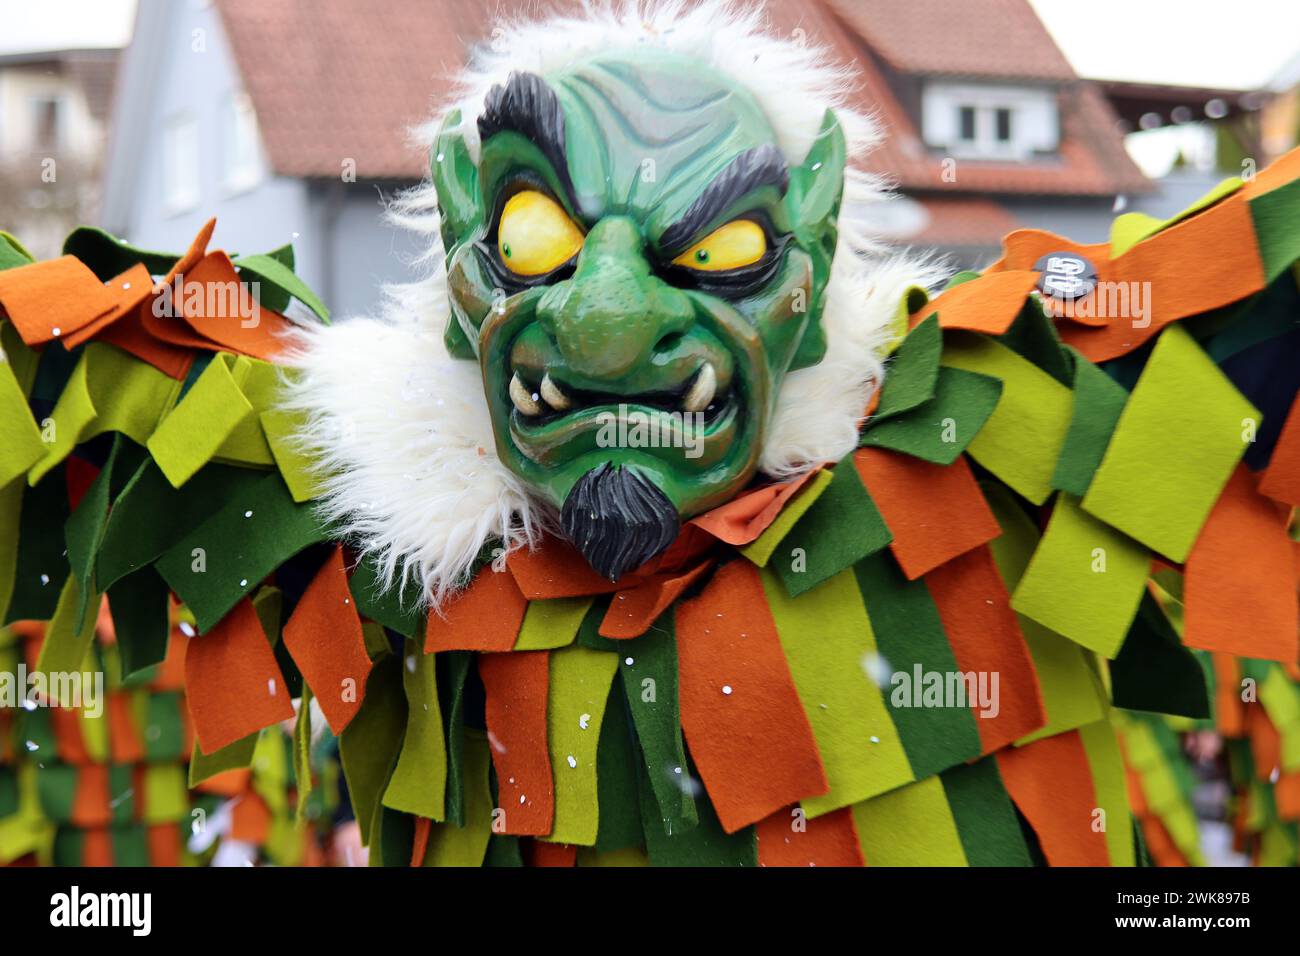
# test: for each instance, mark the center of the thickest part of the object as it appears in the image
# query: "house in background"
(54, 107)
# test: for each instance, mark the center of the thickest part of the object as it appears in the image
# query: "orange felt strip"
(1137, 800)
(1240, 587)
(987, 304)
(124, 741)
(171, 672)
(982, 630)
(197, 250)
(96, 848)
(232, 682)
(130, 335)
(420, 845)
(631, 612)
(741, 520)
(250, 819)
(1277, 173)
(537, 853)
(486, 616)
(1051, 783)
(1281, 479)
(1164, 851)
(516, 686)
(90, 804)
(1194, 266)
(59, 294)
(227, 313)
(323, 636)
(556, 569)
(67, 735)
(934, 512)
(164, 845)
(130, 288)
(829, 840)
(1024, 247)
(228, 783)
(746, 728)
(1286, 794)
(1229, 708)
(1265, 743)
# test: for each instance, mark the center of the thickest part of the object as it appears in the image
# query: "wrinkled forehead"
(645, 131)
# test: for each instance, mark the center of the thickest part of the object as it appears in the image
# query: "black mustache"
(618, 519)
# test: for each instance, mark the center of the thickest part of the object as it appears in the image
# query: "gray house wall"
(341, 246)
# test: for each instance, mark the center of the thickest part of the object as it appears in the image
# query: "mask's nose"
(609, 318)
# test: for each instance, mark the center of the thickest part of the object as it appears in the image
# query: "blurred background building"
(288, 120)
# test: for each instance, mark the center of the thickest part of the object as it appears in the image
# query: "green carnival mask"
(636, 268)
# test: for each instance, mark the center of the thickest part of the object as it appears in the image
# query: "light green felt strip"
(20, 437)
(910, 826)
(369, 745)
(1281, 700)
(419, 783)
(11, 509)
(1179, 438)
(276, 273)
(302, 775)
(1072, 693)
(1021, 440)
(68, 637)
(827, 636)
(580, 679)
(450, 845)
(203, 421)
(1130, 229)
(760, 549)
(165, 797)
(280, 429)
(1084, 580)
(236, 756)
(552, 623)
(1111, 785)
(108, 391)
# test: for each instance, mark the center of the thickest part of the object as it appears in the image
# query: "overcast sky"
(1238, 44)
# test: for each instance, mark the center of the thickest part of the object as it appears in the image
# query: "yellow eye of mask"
(739, 243)
(535, 234)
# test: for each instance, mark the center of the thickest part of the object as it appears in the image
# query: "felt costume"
(667, 519)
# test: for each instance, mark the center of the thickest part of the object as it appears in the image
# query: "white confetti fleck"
(573, 761)
(582, 721)
(875, 739)
(187, 629)
(248, 514)
(243, 582)
(628, 662)
(726, 689)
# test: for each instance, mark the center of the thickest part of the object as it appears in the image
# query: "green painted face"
(635, 267)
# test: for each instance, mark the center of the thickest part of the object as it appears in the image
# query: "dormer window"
(989, 121)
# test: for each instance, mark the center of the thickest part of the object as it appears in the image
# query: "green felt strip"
(827, 636)
(455, 667)
(1021, 440)
(11, 510)
(1098, 402)
(281, 277)
(913, 373)
(85, 529)
(303, 778)
(281, 429)
(1071, 688)
(20, 437)
(1261, 317)
(1033, 336)
(41, 565)
(705, 844)
(68, 848)
(57, 784)
(130, 845)
(107, 256)
(150, 516)
(984, 815)
(1110, 783)
(761, 549)
(393, 608)
(503, 851)
(236, 756)
(369, 745)
(210, 415)
(842, 527)
(68, 635)
(1275, 214)
(1084, 580)
(393, 843)
(165, 797)
(163, 730)
(140, 618)
(942, 428)
(589, 630)
(419, 782)
(248, 538)
(121, 792)
(551, 623)
(109, 391)
(650, 684)
(12, 252)
(8, 792)
(466, 845)
(936, 732)
(616, 780)
(1180, 436)
(22, 360)
(1155, 671)
(37, 734)
(580, 680)
(910, 826)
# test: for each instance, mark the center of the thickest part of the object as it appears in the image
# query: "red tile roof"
(963, 221)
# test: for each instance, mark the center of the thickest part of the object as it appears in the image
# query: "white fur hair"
(401, 430)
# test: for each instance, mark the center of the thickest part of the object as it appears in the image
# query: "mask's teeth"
(701, 393)
(524, 400)
(554, 397)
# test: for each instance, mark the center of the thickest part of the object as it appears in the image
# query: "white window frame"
(243, 168)
(1034, 116)
(182, 183)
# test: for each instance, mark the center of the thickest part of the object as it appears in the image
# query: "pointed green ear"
(812, 202)
(456, 180)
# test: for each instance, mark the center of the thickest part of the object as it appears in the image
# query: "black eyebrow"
(527, 106)
(759, 166)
